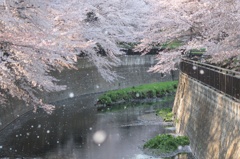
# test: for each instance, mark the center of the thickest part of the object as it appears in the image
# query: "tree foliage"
(39, 36)
(199, 24)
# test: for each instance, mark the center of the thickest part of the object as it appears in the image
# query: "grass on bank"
(198, 51)
(166, 114)
(138, 92)
(172, 44)
(128, 105)
(166, 143)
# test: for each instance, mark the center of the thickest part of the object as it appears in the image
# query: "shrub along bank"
(166, 143)
(152, 90)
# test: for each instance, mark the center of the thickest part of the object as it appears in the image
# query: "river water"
(76, 130)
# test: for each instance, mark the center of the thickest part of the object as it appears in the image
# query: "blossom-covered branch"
(43, 35)
(213, 25)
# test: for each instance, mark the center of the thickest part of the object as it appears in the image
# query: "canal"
(76, 130)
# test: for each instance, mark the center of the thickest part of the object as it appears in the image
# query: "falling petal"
(99, 136)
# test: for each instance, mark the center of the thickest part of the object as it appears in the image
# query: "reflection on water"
(77, 131)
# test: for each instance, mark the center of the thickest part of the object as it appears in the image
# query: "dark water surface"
(77, 131)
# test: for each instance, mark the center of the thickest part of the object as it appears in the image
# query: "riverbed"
(76, 130)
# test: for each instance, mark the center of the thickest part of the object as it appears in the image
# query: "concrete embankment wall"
(87, 80)
(210, 119)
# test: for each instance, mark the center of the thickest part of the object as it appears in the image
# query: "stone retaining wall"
(210, 120)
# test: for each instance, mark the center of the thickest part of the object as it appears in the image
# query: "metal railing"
(223, 80)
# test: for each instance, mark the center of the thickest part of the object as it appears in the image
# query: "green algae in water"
(166, 114)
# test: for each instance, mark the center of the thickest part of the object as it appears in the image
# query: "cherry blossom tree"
(206, 24)
(39, 36)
